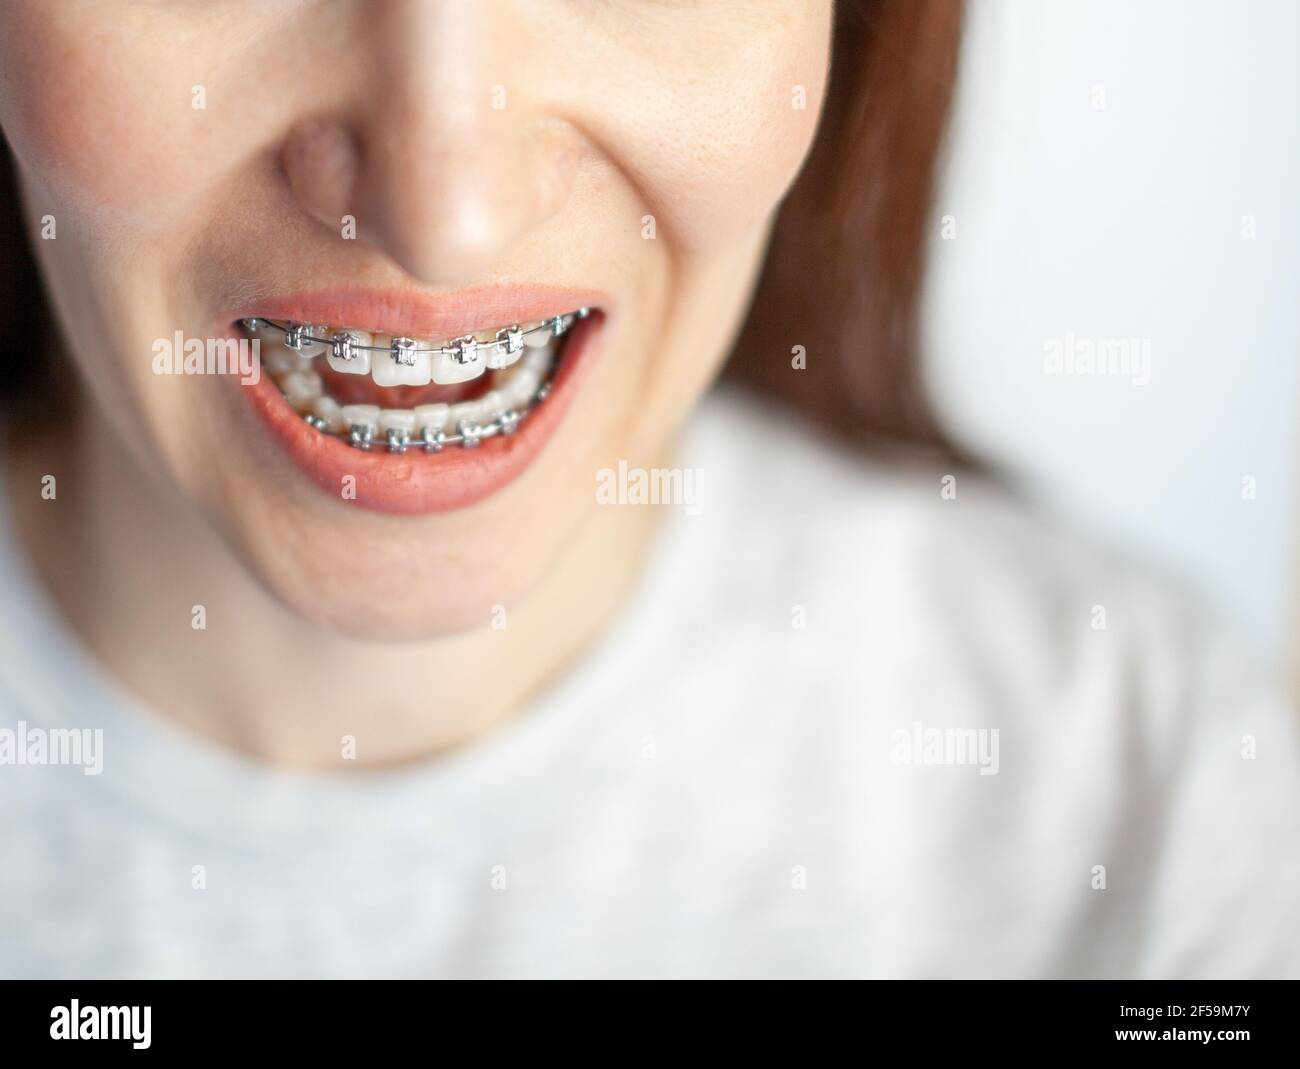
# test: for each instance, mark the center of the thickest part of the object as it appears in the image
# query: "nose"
(437, 165)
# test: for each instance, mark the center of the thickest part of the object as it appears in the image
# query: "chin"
(405, 591)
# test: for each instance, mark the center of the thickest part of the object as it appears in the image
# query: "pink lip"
(416, 483)
(420, 315)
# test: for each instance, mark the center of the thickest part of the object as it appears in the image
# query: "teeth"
(396, 419)
(482, 410)
(401, 365)
(301, 388)
(328, 409)
(509, 348)
(538, 360)
(491, 405)
(278, 360)
(312, 348)
(361, 416)
(521, 387)
(403, 350)
(464, 412)
(345, 356)
(521, 358)
(449, 368)
(434, 416)
(293, 333)
(537, 338)
(297, 338)
(466, 349)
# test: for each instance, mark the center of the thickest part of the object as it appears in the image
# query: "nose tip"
(445, 205)
(443, 217)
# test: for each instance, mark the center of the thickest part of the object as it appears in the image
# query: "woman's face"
(403, 168)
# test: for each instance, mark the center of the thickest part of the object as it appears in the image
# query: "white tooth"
(396, 419)
(384, 371)
(328, 410)
(301, 388)
(539, 360)
(360, 362)
(500, 356)
(434, 416)
(314, 348)
(447, 370)
(278, 360)
(388, 372)
(539, 336)
(367, 415)
(521, 387)
(465, 412)
(491, 405)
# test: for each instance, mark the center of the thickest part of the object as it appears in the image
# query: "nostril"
(321, 161)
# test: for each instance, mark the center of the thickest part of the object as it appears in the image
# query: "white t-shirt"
(846, 726)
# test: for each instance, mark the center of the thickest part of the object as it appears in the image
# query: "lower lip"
(416, 483)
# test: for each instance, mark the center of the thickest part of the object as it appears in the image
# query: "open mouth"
(398, 393)
(424, 418)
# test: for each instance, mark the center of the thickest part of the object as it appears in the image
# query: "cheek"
(100, 111)
(714, 138)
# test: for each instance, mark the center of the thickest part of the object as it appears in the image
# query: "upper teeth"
(402, 361)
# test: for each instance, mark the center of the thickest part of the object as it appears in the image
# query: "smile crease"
(405, 393)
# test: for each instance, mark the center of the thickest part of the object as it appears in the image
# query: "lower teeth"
(467, 433)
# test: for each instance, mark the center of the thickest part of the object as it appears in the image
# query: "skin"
(168, 216)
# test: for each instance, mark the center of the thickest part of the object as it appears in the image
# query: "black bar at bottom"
(164, 1019)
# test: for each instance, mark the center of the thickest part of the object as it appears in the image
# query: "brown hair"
(26, 326)
(843, 273)
(842, 276)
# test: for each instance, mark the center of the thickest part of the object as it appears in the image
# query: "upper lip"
(416, 314)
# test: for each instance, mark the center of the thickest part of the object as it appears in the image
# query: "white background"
(1105, 164)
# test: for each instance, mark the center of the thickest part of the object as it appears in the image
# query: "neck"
(124, 556)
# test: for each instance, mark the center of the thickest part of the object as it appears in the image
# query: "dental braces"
(463, 350)
(467, 435)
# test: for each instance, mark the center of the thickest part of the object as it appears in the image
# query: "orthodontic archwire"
(467, 434)
(403, 350)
